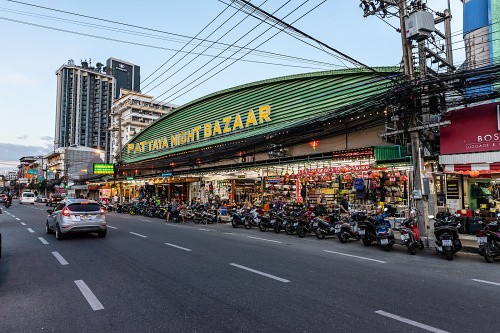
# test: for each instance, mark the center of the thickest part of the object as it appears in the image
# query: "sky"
(37, 41)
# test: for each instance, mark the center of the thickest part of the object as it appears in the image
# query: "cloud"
(11, 153)
(47, 138)
(22, 137)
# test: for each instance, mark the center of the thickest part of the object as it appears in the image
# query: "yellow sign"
(213, 129)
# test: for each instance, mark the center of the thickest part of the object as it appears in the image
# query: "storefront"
(470, 148)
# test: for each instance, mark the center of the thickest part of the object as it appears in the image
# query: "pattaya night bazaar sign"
(213, 129)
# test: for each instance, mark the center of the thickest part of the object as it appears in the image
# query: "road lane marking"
(22, 223)
(410, 322)
(267, 240)
(31, 230)
(89, 295)
(43, 240)
(350, 255)
(487, 282)
(133, 233)
(60, 258)
(17, 218)
(178, 247)
(230, 233)
(145, 220)
(112, 227)
(260, 273)
(203, 229)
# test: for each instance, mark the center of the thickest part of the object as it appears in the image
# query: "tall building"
(83, 106)
(131, 113)
(127, 75)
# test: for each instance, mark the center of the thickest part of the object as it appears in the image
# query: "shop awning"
(483, 168)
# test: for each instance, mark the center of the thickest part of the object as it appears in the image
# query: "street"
(152, 276)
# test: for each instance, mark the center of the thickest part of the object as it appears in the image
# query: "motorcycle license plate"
(405, 237)
(482, 240)
(447, 242)
(361, 232)
(384, 241)
(337, 229)
(315, 224)
(295, 224)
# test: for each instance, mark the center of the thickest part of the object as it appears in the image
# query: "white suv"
(27, 198)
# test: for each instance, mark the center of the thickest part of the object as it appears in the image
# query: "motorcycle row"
(370, 229)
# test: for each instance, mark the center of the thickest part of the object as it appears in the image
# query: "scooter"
(267, 220)
(489, 241)
(240, 217)
(385, 234)
(349, 228)
(447, 238)
(410, 236)
(366, 231)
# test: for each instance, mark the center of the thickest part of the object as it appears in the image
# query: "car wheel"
(59, 234)
(47, 229)
(102, 233)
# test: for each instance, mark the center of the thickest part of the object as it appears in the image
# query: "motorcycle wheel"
(247, 225)
(319, 234)
(411, 248)
(420, 244)
(449, 255)
(288, 229)
(488, 256)
(262, 227)
(343, 237)
(366, 242)
(301, 232)
(277, 229)
(233, 223)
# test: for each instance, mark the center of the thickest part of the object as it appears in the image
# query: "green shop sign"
(104, 168)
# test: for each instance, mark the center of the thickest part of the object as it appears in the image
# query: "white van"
(27, 198)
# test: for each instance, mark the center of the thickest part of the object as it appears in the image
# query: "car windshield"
(84, 207)
(28, 195)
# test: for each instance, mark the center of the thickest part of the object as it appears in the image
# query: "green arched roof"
(287, 102)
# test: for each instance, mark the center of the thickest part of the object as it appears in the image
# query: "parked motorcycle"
(410, 236)
(489, 241)
(267, 220)
(349, 227)
(447, 237)
(323, 227)
(240, 217)
(366, 231)
(384, 232)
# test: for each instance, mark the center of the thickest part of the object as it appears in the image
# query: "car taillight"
(481, 233)
(65, 211)
(102, 211)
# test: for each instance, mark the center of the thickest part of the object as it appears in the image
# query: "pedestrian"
(321, 203)
(344, 205)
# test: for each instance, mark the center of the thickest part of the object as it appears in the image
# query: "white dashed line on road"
(89, 295)
(203, 229)
(31, 230)
(178, 247)
(17, 218)
(350, 255)
(260, 273)
(267, 240)
(60, 258)
(410, 322)
(230, 233)
(133, 233)
(487, 282)
(43, 240)
(22, 223)
(112, 227)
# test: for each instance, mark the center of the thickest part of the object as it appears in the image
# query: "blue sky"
(31, 54)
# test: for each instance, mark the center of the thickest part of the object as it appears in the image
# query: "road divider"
(43, 240)
(60, 258)
(260, 273)
(487, 282)
(353, 256)
(89, 295)
(410, 322)
(133, 233)
(178, 247)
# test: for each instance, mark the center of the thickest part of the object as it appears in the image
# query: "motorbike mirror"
(498, 215)
(385, 209)
(431, 216)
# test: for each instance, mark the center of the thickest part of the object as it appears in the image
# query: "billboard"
(104, 169)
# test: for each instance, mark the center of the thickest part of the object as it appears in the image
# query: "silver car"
(76, 215)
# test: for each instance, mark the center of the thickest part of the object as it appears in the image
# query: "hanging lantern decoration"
(474, 173)
(403, 178)
(343, 169)
(347, 177)
(314, 144)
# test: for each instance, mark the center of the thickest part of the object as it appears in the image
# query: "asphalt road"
(152, 276)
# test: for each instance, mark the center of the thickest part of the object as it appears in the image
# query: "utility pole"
(419, 110)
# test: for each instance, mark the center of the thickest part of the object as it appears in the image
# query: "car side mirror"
(49, 211)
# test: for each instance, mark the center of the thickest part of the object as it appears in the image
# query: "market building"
(292, 137)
